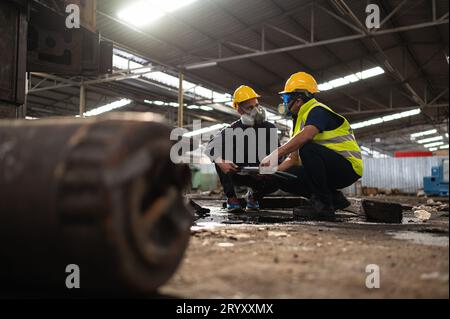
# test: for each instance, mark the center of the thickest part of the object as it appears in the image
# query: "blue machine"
(437, 184)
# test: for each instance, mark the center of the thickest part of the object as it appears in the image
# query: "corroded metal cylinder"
(101, 194)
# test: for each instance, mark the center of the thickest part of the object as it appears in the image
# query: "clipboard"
(256, 170)
(249, 170)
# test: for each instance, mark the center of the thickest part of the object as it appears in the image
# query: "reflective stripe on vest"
(339, 139)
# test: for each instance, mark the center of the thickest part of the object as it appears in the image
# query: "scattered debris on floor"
(199, 211)
(268, 254)
(422, 215)
(278, 234)
(277, 256)
(383, 212)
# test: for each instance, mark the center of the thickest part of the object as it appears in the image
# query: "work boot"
(234, 204)
(317, 211)
(252, 202)
(340, 202)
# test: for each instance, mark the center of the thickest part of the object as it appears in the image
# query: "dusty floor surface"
(268, 255)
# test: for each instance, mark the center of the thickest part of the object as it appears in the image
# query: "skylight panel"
(108, 107)
(147, 11)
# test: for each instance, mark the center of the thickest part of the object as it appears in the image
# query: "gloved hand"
(227, 167)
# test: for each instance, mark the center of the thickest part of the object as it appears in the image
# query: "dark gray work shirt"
(244, 145)
(324, 120)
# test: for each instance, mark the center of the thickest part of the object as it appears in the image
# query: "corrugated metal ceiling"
(193, 33)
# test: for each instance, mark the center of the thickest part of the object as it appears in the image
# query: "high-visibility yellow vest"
(341, 140)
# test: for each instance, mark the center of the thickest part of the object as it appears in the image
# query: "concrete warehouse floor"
(268, 255)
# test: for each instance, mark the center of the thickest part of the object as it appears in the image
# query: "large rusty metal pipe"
(102, 194)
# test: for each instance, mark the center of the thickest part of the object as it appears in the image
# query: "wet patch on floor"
(421, 237)
(221, 217)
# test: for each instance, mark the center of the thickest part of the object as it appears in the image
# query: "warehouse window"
(372, 153)
(126, 61)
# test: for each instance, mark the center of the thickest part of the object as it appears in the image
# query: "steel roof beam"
(394, 71)
(325, 42)
(286, 33)
(260, 24)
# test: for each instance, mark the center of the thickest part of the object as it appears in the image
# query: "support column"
(181, 102)
(22, 110)
(82, 100)
(27, 88)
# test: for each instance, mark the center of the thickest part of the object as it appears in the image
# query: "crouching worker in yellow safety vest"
(323, 152)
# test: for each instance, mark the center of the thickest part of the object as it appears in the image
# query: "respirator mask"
(253, 117)
(289, 99)
(285, 108)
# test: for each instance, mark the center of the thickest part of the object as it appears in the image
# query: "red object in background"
(413, 154)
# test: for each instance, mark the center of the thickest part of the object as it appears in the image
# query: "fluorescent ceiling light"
(147, 11)
(434, 144)
(206, 108)
(370, 73)
(339, 82)
(385, 119)
(420, 134)
(433, 149)
(325, 87)
(431, 139)
(158, 103)
(108, 107)
(213, 128)
(193, 107)
(352, 78)
(444, 147)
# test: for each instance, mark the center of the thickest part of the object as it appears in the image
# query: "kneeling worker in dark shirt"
(244, 144)
(323, 151)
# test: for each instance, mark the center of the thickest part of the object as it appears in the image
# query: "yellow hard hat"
(301, 81)
(242, 94)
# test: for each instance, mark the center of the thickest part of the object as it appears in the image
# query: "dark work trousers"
(322, 174)
(262, 185)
